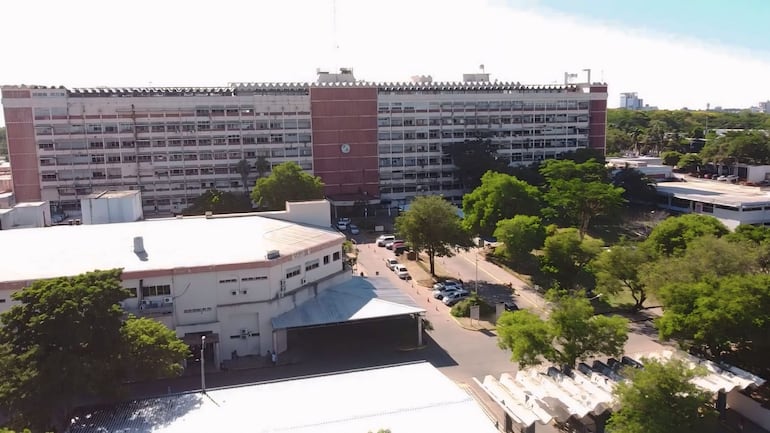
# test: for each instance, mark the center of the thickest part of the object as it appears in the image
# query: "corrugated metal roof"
(357, 299)
(412, 398)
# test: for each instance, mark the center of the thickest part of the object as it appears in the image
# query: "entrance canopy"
(357, 299)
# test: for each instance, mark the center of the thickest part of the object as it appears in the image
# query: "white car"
(391, 263)
(354, 229)
(728, 178)
(443, 293)
(454, 298)
(402, 272)
(384, 239)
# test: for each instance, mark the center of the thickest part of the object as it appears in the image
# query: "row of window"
(479, 120)
(74, 144)
(235, 280)
(309, 266)
(159, 290)
(566, 104)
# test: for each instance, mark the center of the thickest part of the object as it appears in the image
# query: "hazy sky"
(674, 53)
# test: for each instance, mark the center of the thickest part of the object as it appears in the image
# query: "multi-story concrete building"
(631, 101)
(367, 141)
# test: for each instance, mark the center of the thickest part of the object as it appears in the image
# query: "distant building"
(651, 167)
(762, 107)
(25, 215)
(631, 101)
(366, 141)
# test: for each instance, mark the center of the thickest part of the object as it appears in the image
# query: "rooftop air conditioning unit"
(244, 333)
(168, 300)
(273, 254)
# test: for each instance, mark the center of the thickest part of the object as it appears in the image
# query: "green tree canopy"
(431, 224)
(720, 316)
(219, 202)
(475, 157)
(672, 235)
(658, 398)
(618, 268)
(670, 157)
(566, 256)
(3, 142)
(705, 257)
(571, 333)
(66, 342)
(149, 346)
(690, 162)
(500, 196)
(520, 235)
(637, 187)
(564, 169)
(244, 168)
(287, 182)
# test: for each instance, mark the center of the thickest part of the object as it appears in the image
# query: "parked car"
(446, 291)
(390, 245)
(448, 283)
(354, 229)
(455, 297)
(728, 178)
(402, 272)
(391, 262)
(342, 224)
(383, 239)
(510, 306)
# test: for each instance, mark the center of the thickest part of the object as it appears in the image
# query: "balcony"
(149, 308)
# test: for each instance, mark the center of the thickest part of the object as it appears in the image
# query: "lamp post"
(203, 364)
(477, 272)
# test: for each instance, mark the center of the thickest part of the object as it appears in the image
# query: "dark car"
(510, 306)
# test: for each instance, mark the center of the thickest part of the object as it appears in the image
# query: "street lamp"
(203, 364)
(477, 272)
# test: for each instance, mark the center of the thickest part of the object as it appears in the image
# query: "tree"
(500, 196)
(520, 235)
(571, 333)
(287, 182)
(244, 168)
(720, 316)
(689, 162)
(658, 397)
(670, 157)
(618, 268)
(578, 202)
(66, 343)
(618, 141)
(589, 171)
(566, 256)
(218, 202)
(473, 158)
(672, 235)
(637, 187)
(261, 165)
(431, 224)
(149, 345)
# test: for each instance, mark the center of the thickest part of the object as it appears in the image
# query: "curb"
(460, 324)
(412, 349)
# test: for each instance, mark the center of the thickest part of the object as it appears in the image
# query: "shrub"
(463, 308)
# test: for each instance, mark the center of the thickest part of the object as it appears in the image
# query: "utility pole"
(203, 364)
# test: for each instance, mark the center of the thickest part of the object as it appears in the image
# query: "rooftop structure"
(404, 399)
(112, 207)
(367, 141)
(732, 204)
(533, 396)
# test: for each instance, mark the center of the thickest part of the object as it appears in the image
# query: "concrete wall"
(26, 215)
(105, 210)
(316, 213)
(749, 409)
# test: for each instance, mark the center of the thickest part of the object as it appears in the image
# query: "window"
(261, 277)
(198, 310)
(160, 290)
(292, 272)
(326, 260)
(228, 281)
(336, 256)
(313, 264)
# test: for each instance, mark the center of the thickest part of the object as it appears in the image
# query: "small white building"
(25, 215)
(732, 204)
(651, 167)
(237, 279)
(112, 207)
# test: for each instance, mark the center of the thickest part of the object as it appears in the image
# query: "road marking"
(519, 291)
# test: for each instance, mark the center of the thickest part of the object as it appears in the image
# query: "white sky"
(85, 43)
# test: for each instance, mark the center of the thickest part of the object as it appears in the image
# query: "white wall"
(749, 408)
(26, 215)
(757, 173)
(316, 212)
(107, 210)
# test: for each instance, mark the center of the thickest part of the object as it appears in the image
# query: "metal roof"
(411, 398)
(357, 299)
(536, 396)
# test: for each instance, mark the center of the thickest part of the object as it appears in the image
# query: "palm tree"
(261, 165)
(244, 168)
